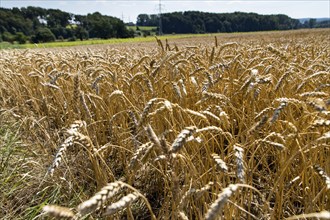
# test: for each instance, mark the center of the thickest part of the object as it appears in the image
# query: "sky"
(128, 10)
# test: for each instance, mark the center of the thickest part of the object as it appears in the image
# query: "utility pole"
(160, 18)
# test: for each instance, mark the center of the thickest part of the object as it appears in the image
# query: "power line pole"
(160, 18)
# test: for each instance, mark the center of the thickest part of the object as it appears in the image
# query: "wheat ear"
(116, 93)
(220, 163)
(182, 215)
(59, 155)
(325, 137)
(323, 174)
(218, 204)
(67, 143)
(76, 87)
(240, 163)
(182, 138)
(318, 215)
(122, 203)
(321, 122)
(58, 211)
(143, 149)
(98, 200)
(278, 111)
(146, 110)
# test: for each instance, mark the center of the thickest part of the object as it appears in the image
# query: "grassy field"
(142, 28)
(115, 41)
(232, 126)
(6, 45)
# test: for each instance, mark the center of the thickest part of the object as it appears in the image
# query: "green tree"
(56, 18)
(20, 38)
(312, 23)
(81, 33)
(6, 36)
(142, 20)
(43, 35)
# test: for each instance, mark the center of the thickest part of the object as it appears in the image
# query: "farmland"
(233, 126)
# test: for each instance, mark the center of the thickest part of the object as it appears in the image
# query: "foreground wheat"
(168, 132)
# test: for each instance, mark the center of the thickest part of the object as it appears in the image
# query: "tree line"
(203, 22)
(37, 24)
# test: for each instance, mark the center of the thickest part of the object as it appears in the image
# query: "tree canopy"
(42, 25)
(202, 22)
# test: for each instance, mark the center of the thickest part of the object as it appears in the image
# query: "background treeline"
(202, 22)
(37, 24)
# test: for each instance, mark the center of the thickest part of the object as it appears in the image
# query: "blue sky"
(129, 9)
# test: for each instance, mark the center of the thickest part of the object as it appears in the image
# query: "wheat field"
(220, 127)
